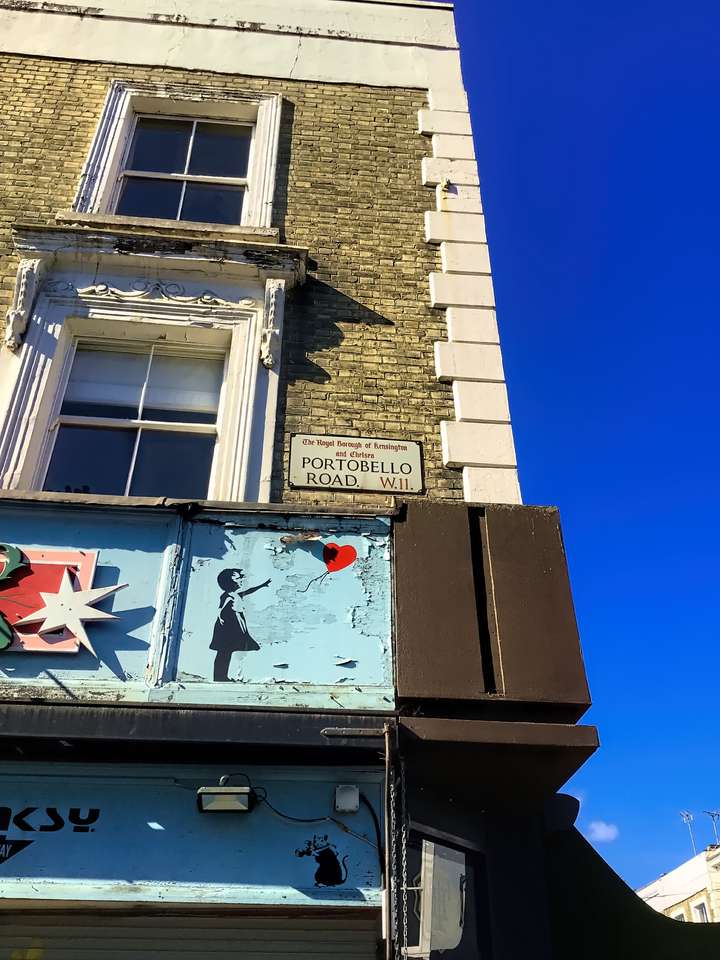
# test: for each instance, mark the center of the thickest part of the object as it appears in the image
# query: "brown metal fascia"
(172, 724)
(500, 733)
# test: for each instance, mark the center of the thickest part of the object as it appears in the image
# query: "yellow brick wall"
(358, 349)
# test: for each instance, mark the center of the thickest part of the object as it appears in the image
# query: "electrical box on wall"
(347, 798)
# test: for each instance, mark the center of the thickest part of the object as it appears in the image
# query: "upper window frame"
(100, 180)
(186, 177)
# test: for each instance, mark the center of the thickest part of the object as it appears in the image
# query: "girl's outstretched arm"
(245, 593)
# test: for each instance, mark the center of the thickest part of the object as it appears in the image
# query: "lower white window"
(137, 421)
(138, 384)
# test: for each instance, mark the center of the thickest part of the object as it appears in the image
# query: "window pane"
(205, 203)
(104, 383)
(142, 197)
(183, 388)
(160, 146)
(90, 460)
(220, 150)
(173, 465)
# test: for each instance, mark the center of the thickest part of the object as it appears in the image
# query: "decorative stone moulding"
(73, 285)
(28, 280)
(157, 290)
(271, 334)
(45, 250)
(480, 440)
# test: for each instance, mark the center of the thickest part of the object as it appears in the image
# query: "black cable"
(285, 816)
(228, 776)
(378, 836)
(261, 797)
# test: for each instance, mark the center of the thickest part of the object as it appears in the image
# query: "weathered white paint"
(453, 147)
(381, 21)
(481, 401)
(453, 198)
(336, 41)
(468, 361)
(477, 444)
(457, 227)
(471, 325)
(461, 290)
(444, 121)
(439, 170)
(465, 257)
(491, 485)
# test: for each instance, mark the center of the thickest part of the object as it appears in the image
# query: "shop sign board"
(135, 833)
(246, 609)
(356, 463)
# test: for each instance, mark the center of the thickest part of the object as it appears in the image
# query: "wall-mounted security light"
(225, 798)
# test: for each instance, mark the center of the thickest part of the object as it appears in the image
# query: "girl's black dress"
(231, 632)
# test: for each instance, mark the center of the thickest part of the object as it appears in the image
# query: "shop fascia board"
(192, 508)
(279, 726)
(70, 247)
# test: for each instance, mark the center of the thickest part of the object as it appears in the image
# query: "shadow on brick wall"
(282, 174)
(314, 318)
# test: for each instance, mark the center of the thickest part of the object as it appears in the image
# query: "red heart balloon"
(337, 557)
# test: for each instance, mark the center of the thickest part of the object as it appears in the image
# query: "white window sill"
(170, 227)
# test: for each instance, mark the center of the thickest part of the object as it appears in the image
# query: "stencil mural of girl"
(231, 634)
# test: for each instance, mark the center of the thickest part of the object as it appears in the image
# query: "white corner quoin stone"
(465, 257)
(448, 98)
(443, 121)
(453, 147)
(481, 402)
(437, 170)
(477, 444)
(491, 485)
(456, 198)
(456, 227)
(471, 325)
(468, 361)
(461, 290)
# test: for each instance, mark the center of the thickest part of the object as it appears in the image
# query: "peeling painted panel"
(235, 610)
(132, 551)
(312, 609)
(135, 833)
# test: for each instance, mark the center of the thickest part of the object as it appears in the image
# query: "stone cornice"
(243, 259)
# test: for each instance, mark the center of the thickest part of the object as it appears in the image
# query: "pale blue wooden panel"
(133, 548)
(145, 839)
(307, 625)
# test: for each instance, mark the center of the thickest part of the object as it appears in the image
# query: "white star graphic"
(68, 608)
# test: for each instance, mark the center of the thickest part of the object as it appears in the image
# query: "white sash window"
(140, 422)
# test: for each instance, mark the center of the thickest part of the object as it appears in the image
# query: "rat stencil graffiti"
(330, 871)
(231, 634)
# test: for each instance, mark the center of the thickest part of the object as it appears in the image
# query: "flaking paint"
(323, 638)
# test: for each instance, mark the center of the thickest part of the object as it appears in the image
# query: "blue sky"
(599, 150)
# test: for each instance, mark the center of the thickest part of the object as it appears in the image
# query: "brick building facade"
(358, 355)
(241, 716)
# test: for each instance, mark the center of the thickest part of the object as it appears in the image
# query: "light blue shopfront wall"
(223, 610)
(134, 833)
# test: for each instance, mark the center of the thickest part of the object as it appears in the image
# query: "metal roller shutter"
(75, 936)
